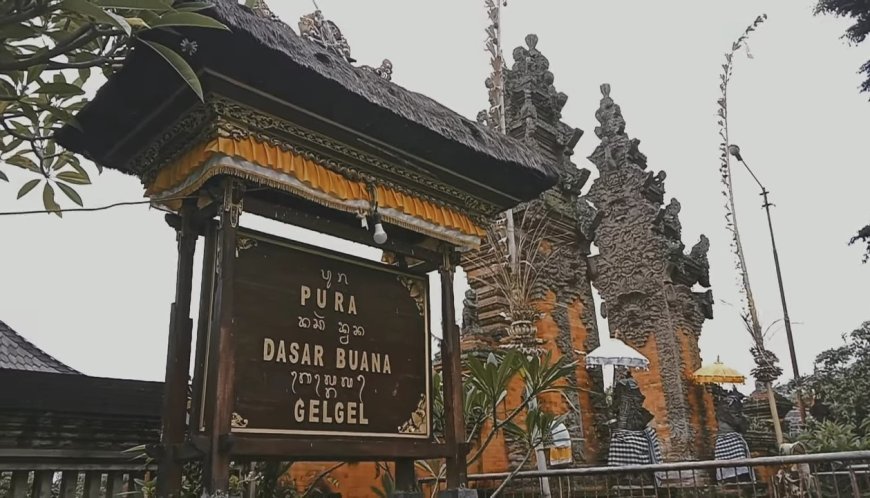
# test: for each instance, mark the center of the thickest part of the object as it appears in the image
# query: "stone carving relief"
(533, 114)
(642, 273)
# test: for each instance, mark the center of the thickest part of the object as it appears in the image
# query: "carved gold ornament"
(238, 421)
(416, 291)
(243, 243)
(416, 424)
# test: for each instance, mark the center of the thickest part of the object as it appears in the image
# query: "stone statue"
(314, 27)
(633, 441)
(671, 217)
(385, 70)
(631, 415)
(469, 311)
(730, 444)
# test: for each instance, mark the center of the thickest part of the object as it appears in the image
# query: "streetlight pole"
(734, 150)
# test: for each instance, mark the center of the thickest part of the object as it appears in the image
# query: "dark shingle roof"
(17, 353)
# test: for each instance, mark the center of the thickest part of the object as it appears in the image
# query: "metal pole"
(791, 350)
(735, 151)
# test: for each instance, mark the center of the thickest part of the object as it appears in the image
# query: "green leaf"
(12, 145)
(60, 89)
(96, 13)
(62, 115)
(48, 200)
(3, 176)
(17, 31)
(76, 178)
(34, 72)
(23, 162)
(72, 194)
(192, 6)
(187, 19)
(7, 91)
(135, 4)
(84, 74)
(17, 76)
(21, 129)
(179, 64)
(30, 113)
(27, 187)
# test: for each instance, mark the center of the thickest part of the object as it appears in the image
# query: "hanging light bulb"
(380, 236)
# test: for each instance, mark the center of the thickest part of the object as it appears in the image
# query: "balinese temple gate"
(303, 353)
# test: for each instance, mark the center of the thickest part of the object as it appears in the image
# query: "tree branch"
(79, 38)
(56, 66)
(496, 427)
(19, 136)
(29, 14)
(513, 473)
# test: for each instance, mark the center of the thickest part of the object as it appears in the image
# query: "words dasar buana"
(296, 353)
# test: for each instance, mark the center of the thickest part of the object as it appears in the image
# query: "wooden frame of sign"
(293, 359)
(328, 346)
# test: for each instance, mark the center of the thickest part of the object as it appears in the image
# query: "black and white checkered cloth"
(731, 446)
(634, 448)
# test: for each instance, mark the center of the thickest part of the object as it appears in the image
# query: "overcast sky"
(94, 289)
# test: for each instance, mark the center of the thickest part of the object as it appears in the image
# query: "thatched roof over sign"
(412, 106)
(271, 63)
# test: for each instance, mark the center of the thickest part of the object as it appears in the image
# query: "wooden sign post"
(303, 353)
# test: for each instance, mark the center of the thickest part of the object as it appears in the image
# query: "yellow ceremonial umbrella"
(718, 373)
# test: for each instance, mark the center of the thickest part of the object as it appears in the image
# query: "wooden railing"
(36, 473)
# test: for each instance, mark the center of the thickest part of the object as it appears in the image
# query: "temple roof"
(17, 353)
(267, 62)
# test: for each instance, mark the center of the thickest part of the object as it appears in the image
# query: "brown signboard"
(328, 344)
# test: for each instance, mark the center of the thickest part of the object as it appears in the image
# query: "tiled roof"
(17, 353)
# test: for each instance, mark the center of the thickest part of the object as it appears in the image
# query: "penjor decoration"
(766, 370)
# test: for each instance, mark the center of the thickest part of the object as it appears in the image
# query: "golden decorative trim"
(416, 291)
(238, 421)
(266, 164)
(220, 116)
(243, 243)
(417, 422)
(255, 122)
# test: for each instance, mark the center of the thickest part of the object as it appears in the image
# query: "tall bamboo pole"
(766, 370)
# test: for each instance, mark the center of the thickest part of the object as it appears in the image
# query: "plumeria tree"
(50, 50)
(488, 413)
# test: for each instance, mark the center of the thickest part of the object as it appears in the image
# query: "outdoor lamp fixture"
(380, 236)
(734, 150)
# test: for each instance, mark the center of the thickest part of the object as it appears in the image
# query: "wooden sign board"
(327, 345)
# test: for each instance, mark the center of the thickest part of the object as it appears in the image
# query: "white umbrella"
(614, 352)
